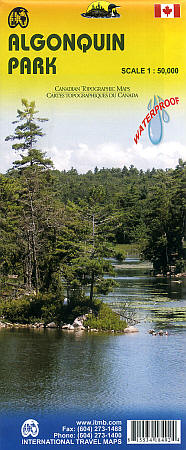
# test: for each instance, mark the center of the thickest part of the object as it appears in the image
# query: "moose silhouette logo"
(18, 16)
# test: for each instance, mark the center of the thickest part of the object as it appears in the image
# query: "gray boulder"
(131, 329)
(66, 326)
(51, 325)
(78, 322)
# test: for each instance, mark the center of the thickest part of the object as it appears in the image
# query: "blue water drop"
(165, 115)
(149, 105)
(155, 128)
(155, 101)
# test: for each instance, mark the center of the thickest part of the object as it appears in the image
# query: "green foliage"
(78, 304)
(49, 314)
(58, 229)
(104, 286)
(179, 266)
(127, 249)
(16, 311)
(164, 217)
(103, 318)
(120, 255)
(27, 132)
(26, 309)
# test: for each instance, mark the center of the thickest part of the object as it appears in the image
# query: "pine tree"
(32, 169)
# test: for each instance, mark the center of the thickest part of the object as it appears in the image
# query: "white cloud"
(6, 159)
(84, 157)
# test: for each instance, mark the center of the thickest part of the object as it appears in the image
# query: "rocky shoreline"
(77, 325)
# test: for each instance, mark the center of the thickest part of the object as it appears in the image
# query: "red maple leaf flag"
(167, 10)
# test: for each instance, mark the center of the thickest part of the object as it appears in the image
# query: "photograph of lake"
(92, 225)
(54, 370)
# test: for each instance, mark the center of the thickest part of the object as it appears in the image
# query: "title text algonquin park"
(54, 42)
(60, 230)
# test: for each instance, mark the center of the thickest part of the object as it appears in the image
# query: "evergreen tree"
(32, 168)
(164, 218)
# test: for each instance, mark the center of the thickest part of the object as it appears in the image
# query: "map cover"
(92, 224)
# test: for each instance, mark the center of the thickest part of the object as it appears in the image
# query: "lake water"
(53, 370)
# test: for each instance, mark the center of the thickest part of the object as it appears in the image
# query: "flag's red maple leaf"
(167, 10)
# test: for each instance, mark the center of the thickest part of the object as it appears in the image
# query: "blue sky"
(102, 135)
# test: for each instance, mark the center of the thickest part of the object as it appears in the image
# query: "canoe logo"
(101, 9)
(30, 428)
(18, 16)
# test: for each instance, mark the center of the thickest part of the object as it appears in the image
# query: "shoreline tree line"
(59, 228)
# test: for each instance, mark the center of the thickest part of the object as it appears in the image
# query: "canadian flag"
(167, 11)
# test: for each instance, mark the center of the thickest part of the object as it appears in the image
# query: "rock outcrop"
(131, 329)
(51, 325)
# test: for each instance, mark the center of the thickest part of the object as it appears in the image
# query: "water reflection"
(50, 370)
(159, 301)
(57, 370)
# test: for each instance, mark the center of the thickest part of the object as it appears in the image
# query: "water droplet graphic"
(165, 115)
(155, 127)
(149, 105)
(155, 101)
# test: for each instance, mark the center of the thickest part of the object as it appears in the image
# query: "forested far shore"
(59, 229)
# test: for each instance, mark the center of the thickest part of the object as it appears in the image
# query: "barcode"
(153, 431)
